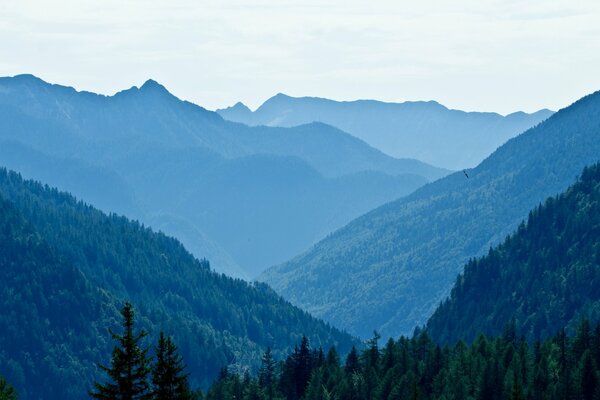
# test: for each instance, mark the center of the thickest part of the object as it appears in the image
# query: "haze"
(472, 55)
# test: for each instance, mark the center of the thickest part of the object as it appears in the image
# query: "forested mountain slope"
(425, 130)
(45, 300)
(390, 268)
(67, 268)
(545, 277)
(181, 168)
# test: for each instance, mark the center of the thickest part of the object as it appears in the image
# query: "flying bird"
(465, 172)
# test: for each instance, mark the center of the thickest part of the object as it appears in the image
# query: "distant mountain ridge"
(425, 130)
(389, 268)
(220, 186)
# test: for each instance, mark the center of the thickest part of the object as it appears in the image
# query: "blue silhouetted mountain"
(543, 278)
(66, 270)
(425, 130)
(390, 268)
(220, 187)
(238, 112)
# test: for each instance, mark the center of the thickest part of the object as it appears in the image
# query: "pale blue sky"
(475, 55)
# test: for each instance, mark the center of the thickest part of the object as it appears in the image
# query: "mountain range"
(390, 268)
(246, 197)
(249, 196)
(425, 130)
(65, 270)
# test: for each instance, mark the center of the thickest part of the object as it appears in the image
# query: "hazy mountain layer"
(427, 131)
(390, 268)
(247, 197)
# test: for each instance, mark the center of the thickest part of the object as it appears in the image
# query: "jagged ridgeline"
(425, 130)
(244, 197)
(65, 269)
(544, 277)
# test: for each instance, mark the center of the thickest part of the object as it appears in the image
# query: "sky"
(475, 55)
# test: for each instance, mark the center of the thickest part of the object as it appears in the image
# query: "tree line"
(507, 367)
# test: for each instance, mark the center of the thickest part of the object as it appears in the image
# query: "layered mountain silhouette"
(543, 278)
(425, 130)
(66, 270)
(389, 268)
(246, 197)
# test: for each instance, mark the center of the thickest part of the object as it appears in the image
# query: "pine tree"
(352, 361)
(168, 379)
(287, 381)
(371, 354)
(7, 392)
(517, 392)
(588, 380)
(129, 369)
(266, 375)
(564, 366)
(303, 361)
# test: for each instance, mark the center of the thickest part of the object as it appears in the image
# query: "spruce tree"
(266, 375)
(588, 377)
(304, 362)
(352, 361)
(168, 377)
(129, 366)
(7, 392)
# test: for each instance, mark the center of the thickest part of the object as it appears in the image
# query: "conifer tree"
(129, 366)
(7, 392)
(168, 377)
(266, 375)
(303, 361)
(588, 379)
(371, 354)
(352, 361)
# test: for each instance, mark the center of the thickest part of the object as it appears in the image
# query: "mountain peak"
(152, 85)
(27, 77)
(23, 79)
(150, 88)
(238, 112)
(239, 106)
(278, 97)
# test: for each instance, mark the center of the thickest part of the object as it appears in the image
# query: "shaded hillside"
(49, 300)
(67, 268)
(545, 277)
(424, 130)
(390, 268)
(158, 159)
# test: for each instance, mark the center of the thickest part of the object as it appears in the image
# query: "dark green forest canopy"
(546, 276)
(67, 267)
(506, 367)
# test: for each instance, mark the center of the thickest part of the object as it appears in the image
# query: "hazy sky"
(469, 54)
